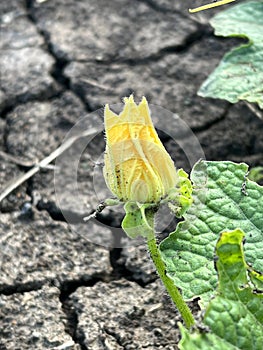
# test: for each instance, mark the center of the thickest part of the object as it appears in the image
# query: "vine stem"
(168, 282)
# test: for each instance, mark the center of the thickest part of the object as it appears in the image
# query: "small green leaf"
(136, 221)
(223, 199)
(239, 75)
(235, 316)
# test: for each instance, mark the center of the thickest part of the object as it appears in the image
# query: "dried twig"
(16, 160)
(24, 177)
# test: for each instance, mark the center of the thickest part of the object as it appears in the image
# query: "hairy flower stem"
(168, 283)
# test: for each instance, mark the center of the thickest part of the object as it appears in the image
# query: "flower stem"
(168, 282)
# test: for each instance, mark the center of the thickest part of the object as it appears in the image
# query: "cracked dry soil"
(62, 59)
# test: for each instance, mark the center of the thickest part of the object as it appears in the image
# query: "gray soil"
(61, 60)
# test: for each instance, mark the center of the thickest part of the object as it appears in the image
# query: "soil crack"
(117, 263)
(208, 125)
(203, 31)
(67, 304)
(56, 213)
(21, 287)
(115, 335)
(60, 63)
(165, 9)
(22, 99)
(159, 8)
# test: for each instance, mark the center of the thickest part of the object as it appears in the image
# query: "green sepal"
(138, 220)
(180, 198)
(111, 202)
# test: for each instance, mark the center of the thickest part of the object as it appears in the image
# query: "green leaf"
(235, 316)
(239, 75)
(136, 221)
(223, 199)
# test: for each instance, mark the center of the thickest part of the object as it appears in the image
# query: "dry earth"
(61, 60)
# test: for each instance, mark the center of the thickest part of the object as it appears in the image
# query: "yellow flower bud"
(137, 166)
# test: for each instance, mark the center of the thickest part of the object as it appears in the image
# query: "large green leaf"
(239, 75)
(223, 199)
(235, 315)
